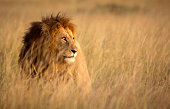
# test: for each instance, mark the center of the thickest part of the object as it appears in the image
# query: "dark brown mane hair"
(61, 19)
(36, 28)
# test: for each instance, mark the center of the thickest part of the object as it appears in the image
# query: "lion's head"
(56, 35)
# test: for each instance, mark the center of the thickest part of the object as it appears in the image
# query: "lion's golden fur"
(41, 55)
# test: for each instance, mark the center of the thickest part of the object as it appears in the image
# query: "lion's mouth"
(71, 56)
(69, 59)
(68, 56)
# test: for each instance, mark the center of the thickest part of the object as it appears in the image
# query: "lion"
(50, 51)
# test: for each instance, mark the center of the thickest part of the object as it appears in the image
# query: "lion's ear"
(45, 28)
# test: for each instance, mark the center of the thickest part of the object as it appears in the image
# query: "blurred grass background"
(126, 44)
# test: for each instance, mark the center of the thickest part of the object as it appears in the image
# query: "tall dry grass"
(127, 56)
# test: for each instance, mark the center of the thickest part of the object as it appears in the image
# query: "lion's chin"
(69, 60)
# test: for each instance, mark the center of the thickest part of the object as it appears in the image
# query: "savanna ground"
(126, 44)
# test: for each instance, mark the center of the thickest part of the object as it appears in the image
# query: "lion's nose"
(74, 51)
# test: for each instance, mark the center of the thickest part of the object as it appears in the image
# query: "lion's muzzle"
(70, 59)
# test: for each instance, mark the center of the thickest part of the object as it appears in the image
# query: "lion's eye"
(73, 38)
(64, 38)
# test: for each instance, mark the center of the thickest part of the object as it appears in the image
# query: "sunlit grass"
(127, 57)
